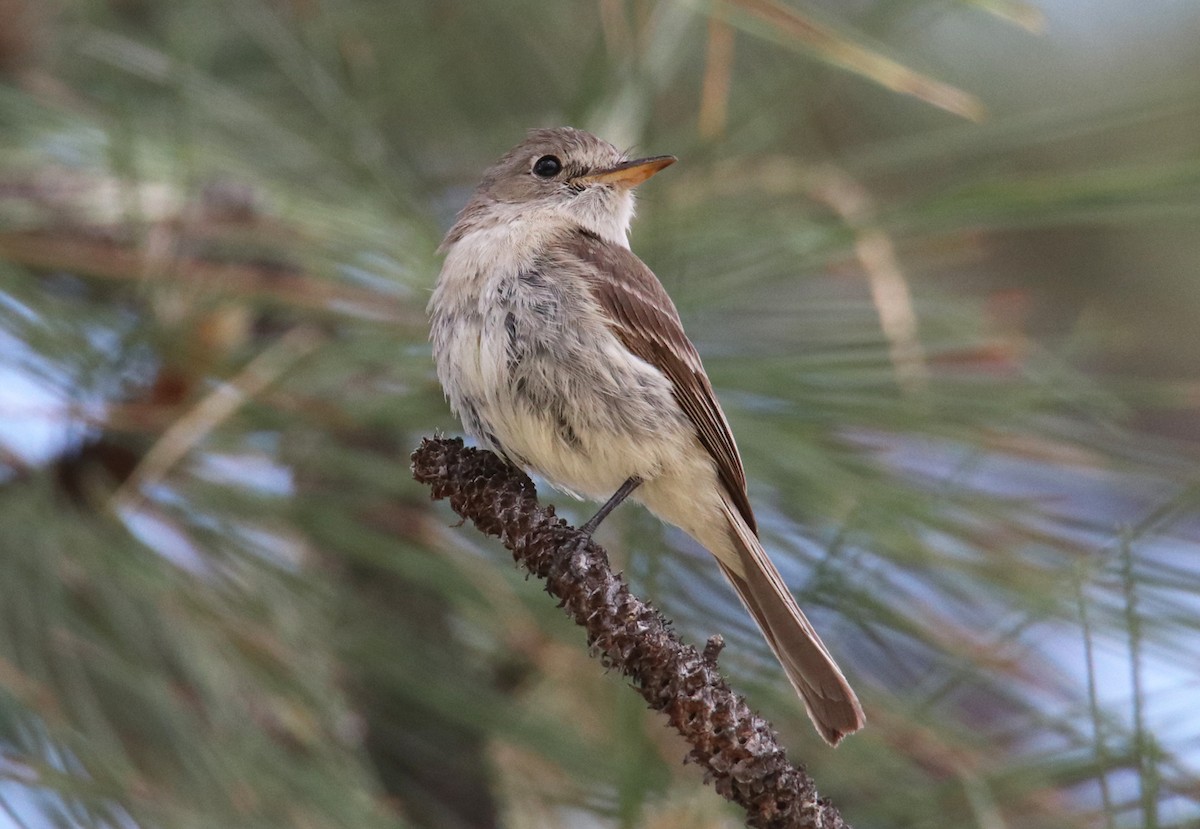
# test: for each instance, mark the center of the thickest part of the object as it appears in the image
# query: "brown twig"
(738, 749)
(89, 255)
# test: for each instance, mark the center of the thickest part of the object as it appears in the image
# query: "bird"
(560, 350)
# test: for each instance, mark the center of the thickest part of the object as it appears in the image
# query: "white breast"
(605, 415)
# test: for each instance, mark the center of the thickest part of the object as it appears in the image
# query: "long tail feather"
(831, 703)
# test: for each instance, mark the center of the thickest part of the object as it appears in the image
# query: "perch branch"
(738, 750)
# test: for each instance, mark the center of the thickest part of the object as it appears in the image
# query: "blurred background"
(940, 257)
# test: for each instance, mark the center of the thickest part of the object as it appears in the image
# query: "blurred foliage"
(961, 360)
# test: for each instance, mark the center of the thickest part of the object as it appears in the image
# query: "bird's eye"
(548, 166)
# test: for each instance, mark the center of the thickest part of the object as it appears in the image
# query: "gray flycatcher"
(560, 350)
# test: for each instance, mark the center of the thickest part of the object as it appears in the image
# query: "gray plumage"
(558, 348)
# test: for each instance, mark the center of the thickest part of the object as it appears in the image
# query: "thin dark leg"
(611, 504)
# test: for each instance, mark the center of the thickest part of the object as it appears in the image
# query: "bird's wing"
(645, 320)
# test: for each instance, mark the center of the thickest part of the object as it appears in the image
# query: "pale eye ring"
(548, 166)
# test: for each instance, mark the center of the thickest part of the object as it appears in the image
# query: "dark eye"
(548, 166)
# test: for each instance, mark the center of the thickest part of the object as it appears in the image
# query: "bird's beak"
(628, 173)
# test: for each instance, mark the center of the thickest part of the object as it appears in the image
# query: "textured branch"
(738, 750)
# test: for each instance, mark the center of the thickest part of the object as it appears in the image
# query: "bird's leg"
(611, 504)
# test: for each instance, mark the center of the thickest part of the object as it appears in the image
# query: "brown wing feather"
(645, 320)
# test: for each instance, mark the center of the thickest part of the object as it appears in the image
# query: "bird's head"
(567, 175)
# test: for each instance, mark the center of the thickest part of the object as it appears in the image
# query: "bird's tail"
(831, 703)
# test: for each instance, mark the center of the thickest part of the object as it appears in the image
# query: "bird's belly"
(593, 466)
(583, 413)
